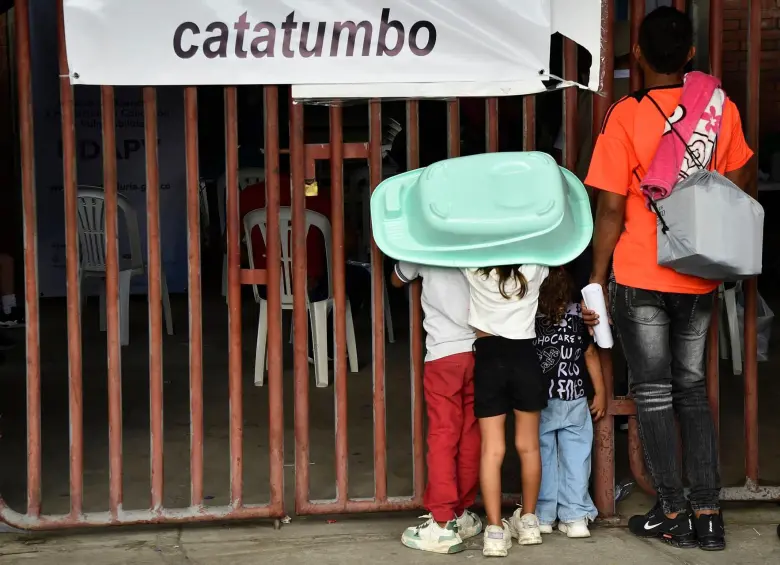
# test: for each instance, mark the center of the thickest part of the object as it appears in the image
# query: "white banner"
(579, 20)
(187, 42)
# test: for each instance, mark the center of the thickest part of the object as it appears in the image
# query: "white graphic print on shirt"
(561, 349)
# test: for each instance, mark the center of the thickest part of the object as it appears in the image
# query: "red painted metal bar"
(570, 105)
(604, 433)
(139, 517)
(637, 7)
(378, 313)
(340, 300)
(273, 288)
(750, 286)
(453, 128)
(529, 123)
(75, 394)
(27, 152)
(112, 303)
(233, 222)
(195, 304)
(155, 295)
(491, 119)
(716, 37)
(253, 276)
(680, 5)
(300, 318)
(415, 323)
(713, 359)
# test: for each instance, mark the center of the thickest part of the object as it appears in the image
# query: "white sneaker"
(497, 541)
(431, 537)
(525, 528)
(577, 529)
(469, 525)
(545, 529)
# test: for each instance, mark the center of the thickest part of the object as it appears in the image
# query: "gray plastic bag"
(763, 325)
(709, 228)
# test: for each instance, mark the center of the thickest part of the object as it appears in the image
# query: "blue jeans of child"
(566, 440)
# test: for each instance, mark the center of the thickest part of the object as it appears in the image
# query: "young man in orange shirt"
(662, 316)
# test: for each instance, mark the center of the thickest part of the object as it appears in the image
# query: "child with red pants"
(453, 430)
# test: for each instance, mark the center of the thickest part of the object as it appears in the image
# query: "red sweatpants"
(453, 436)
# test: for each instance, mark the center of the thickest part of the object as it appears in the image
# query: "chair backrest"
(92, 229)
(258, 219)
(246, 177)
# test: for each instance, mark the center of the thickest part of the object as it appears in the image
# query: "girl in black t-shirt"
(570, 362)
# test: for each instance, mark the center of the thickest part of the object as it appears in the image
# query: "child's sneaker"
(576, 530)
(497, 540)
(469, 525)
(431, 537)
(525, 528)
(546, 529)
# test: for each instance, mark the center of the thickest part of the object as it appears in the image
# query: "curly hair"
(505, 274)
(555, 294)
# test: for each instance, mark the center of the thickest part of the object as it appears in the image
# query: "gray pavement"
(752, 541)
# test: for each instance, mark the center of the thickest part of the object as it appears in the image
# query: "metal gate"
(303, 157)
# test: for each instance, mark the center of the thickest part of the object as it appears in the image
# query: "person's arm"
(404, 273)
(598, 407)
(742, 176)
(610, 218)
(739, 163)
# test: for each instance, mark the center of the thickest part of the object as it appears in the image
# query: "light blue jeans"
(566, 440)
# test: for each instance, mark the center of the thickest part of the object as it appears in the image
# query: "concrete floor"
(358, 540)
(256, 474)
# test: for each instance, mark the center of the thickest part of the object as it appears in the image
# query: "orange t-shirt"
(624, 151)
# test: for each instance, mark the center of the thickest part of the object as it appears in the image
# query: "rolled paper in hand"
(593, 295)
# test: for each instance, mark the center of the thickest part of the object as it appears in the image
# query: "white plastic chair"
(318, 311)
(246, 177)
(92, 245)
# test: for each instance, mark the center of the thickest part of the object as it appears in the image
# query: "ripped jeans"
(664, 337)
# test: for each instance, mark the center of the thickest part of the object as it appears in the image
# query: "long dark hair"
(505, 274)
(555, 294)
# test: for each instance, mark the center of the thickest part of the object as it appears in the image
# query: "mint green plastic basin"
(490, 209)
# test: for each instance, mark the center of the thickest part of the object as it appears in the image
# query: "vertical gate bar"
(194, 298)
(75, 383)
(529, 123)
(636, 14)
(570, 105)
(604, 436)
(27, 154)
(112, 302)
(155, 295)
(716, 37)
(339, 300)
(713, 359)
(274, 290)
(415, 322)
(751, 288)
(492, 125)
(234, 298)
(300, 317)
(378, 317)
(453, 128)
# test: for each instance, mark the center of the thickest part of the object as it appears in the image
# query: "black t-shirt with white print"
(561, 349)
